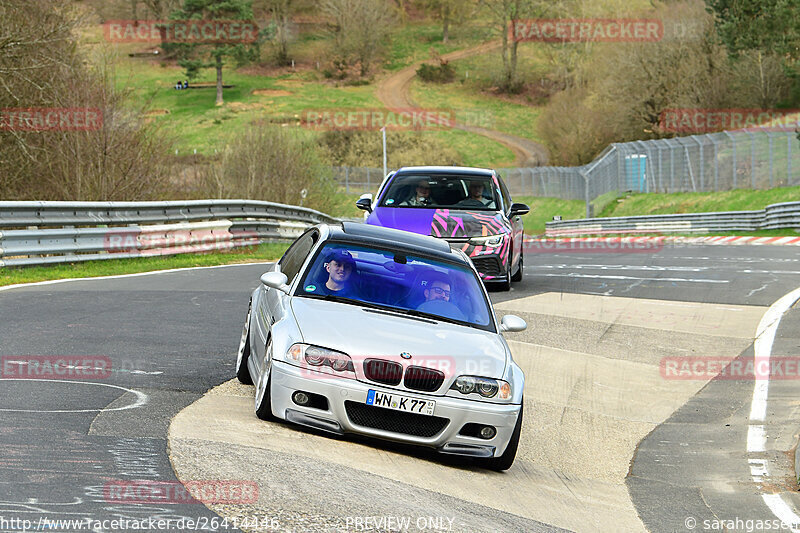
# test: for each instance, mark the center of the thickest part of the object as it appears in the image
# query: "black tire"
(242, 372)
(518, 274)
(264, 408)
(505, 285)
(505, 461)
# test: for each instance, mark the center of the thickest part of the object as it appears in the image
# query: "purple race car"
(471, 208)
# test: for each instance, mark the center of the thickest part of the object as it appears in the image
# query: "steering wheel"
(442, 308)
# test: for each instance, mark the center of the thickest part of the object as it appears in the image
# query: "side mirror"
(276, 280)
(365, 202)
(519, 209)
(512, 324)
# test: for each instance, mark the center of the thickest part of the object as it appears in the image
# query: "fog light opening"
(301, 398)
(488, 432)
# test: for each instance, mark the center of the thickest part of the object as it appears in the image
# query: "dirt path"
(395, 92)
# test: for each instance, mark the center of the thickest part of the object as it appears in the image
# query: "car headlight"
(491, 241)
(319, 357)
(486, 387)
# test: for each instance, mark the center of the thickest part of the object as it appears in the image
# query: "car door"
(272, 306)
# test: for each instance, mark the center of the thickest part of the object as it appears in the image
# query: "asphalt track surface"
(170, 337)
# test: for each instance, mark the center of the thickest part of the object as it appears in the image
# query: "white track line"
(756, 434)
(590, 276)
(141, 398)
(120, 276)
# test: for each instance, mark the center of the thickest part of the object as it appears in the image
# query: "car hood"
(363, 333)
(447, 223)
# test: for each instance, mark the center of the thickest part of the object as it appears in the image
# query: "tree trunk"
(283, 39)
(504, 53)
(219, 81)
(762, 82)
(445, 23)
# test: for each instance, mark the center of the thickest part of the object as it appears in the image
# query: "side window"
(294, 257)
(505, 194)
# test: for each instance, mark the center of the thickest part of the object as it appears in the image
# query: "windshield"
(453, 191)
(391, 280)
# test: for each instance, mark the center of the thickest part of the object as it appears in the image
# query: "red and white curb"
(664, 239)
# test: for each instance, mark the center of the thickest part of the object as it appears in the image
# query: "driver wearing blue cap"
(340, 266)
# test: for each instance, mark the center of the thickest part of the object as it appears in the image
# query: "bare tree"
(272, 164)
(360, 28)
(281, 13)
(503, 13)
(161, 9)
(620, 90)
(450, 12)
(40, 67)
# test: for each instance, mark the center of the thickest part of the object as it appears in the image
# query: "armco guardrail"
(35, 233)
(776, 216)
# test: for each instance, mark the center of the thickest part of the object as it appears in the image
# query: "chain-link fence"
(358, 179)
(742, 159)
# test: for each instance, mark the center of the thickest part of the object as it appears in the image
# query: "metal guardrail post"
(702, 163)
(788, 159)
(752, 158)
(771, 169)
(733, 165)
(586, 194)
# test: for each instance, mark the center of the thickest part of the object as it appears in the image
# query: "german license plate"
(400, 403)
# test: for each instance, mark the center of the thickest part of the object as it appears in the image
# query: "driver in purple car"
(475, 198)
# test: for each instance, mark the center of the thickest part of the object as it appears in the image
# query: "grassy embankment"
(279, 95)
(113, 267)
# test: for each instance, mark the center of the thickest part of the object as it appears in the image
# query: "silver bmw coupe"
(384, 333)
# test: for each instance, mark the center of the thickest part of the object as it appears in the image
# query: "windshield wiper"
(340, 299)
(414, 312)
(393, 311)
(389, 308)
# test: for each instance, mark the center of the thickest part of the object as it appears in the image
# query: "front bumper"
(492, 263)
(288, 379)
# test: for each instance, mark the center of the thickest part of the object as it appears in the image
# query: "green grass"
(603, 201)
(344, 205)
(544, 209)
(199, 124)
(705, 202)
(413, 42)
(111, 267)
(475, 150)
(478, 109)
